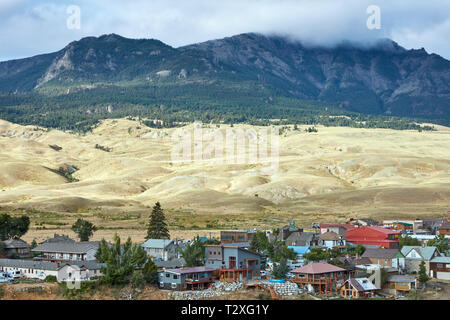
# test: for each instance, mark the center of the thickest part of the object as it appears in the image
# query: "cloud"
(32, 27)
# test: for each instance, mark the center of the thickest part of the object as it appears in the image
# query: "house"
(401, 283)
(357, 288)
(414, 255)
(233, 263)
(41, 269)
(332, 239)
(433, 224)
(351, 263)
(385, 257)
(182, 279)
(402, 226)
(320, 277)
(161, 249)
(372, 235)
(304, 239)
(17, 248)
(237, 236)
(339, 228)
(66, 251)
(285, 232)
(445, 228)
(440, 268)
(367, 222)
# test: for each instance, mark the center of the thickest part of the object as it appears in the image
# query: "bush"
(51, 279)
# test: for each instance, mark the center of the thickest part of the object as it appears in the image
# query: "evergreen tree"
(280, 270)
(423, 276)
(13, 228)
(150, 272)
(193, 253)
(84, 229)
(157, 228)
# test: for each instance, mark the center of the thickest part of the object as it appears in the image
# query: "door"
(232, 262)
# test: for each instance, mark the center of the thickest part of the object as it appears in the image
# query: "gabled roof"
(362, 284)
(318, 268)
(171, 264)
(426, 252)
(441, 260)
(380, 253)
(67, 247)
(15, 244)
(401, 278)
(330, 236)
(157, 243)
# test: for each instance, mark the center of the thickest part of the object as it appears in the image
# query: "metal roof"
(66, 247)
(380, 253)
(317, 268)
(425, 252)
(157, 243)
(441, 259)
(190, 270)
(15, 243)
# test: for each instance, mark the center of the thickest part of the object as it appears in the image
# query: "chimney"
(357, 256)
(423, 244)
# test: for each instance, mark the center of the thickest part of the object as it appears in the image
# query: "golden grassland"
(332, 175)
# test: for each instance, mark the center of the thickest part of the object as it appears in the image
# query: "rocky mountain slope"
(382, 79)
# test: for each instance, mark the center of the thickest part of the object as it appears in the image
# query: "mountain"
(229, 75)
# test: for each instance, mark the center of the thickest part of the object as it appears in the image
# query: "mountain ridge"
(381, 79)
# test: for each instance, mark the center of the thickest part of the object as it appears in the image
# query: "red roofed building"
(371, 235)
(323, 277)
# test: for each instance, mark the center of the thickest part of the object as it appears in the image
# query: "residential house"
(41, 269)
(161, 249)
(367, 222)
(433, 224)
(351, 264)
(440, 268)
(402, 226)
(286, 232)
(332, 239)
(233, 263)
(321, 277)
(445, 228)
(67, 251)
(401, 283)
(414, 255)
(339, 228)
(304, 239)
(372, 235)
(17, 247)
(196, 278)
(237, 236)
(389, 258)
(357, 288)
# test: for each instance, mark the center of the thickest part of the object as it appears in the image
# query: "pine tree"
(423, 277)
(157, 228)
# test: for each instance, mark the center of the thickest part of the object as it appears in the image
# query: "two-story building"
(17, 248)
(67, 251)
(374, 236)
(332, 239)
(236, 236)
(161, 249)
(440, 268)
(414, 255)
(233, 263)
(182, 279)
(388, 258)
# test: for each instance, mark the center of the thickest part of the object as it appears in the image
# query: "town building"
(402, 226)
(445, 228)
(66, 251)
(339, 228)
(17, 248)
(237, 236)
(182, 279)
(391, 258)
(332, 239)
(304, 239)
(41, 269)
(440, 268)
(322, 278)
(233, 263)
(161, 249)
(373, 235)
(357, 288)
(414, 255)
(401, 283)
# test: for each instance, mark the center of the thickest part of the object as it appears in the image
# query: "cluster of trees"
(332, 255)
(126, 263)
(275, 250)
(13, 227)
(84, 229)
(220, 102)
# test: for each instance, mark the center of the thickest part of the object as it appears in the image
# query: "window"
(175, 276)
(440, 265)
(167, 275)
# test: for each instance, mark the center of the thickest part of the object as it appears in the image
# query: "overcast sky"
(30, 27)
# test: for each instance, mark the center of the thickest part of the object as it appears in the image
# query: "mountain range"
(381, 79)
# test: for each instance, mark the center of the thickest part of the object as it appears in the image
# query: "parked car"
(15, 274)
